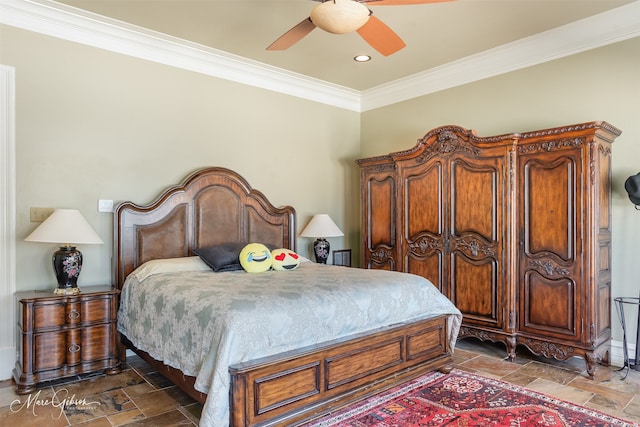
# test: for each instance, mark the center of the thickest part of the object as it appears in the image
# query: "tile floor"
(140, 396)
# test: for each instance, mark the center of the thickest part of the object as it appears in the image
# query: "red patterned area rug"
(464, 399)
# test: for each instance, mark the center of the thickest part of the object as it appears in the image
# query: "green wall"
(92, 124)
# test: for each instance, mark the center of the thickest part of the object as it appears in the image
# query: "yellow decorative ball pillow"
(284, 259)
(255, 258)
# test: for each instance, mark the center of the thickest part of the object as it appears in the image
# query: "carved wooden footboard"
(294, 387)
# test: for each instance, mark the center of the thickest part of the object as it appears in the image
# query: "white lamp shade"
(65, 226)
(321, 225)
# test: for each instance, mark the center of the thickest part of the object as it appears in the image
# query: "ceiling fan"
(345, 16)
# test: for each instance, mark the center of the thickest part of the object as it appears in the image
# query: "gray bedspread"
(201, 322)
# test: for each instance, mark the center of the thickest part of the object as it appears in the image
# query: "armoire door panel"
(475, 289)
(603, 309)
(549, 306)
(604, 257)
(422, 224)
(550, 207)
(382, 212)
(428, 266)
(475, 201)
(423, 201)
(604, 190)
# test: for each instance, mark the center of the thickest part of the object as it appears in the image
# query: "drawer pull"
(74, 348)
(74, 314)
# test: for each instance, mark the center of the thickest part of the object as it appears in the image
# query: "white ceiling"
(435, 34)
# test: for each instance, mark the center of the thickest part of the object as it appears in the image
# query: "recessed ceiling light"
(362, 58)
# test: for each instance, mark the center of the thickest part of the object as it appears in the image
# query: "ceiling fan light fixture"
(340, 16)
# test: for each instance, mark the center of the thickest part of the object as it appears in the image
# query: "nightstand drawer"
(69, 311)
(54, 350)
(97, 342)
(87, 311)
(51, 351)
(46, 315)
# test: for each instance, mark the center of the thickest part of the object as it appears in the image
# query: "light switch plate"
(39, 214)
(105, 205)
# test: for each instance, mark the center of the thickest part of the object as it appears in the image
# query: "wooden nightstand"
(65, 335)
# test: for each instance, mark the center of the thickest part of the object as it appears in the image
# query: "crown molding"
(76, 25)
(609, 27)
(65, 22)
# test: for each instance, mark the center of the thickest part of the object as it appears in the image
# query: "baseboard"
(7, 362)
(617, 354)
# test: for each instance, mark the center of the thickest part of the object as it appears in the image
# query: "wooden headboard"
(211, 206)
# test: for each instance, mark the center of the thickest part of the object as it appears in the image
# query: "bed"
(262, 365)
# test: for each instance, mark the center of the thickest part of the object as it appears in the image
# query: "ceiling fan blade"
(401, 2)
(292, 36)
(380, 36)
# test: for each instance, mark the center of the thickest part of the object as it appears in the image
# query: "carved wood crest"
(549, 267)
(425, 244)
(473, 247)
(447, 143)
(548, 349)
(381, 255)
(550, 145)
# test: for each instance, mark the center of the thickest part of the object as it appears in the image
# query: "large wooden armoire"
(515, 229)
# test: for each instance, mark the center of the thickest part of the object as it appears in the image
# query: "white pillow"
(304, 259)
(169, 265)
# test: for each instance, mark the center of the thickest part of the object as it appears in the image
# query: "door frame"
(7, 220)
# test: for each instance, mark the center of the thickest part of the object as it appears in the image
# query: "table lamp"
(67, 227)
(321, 226)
